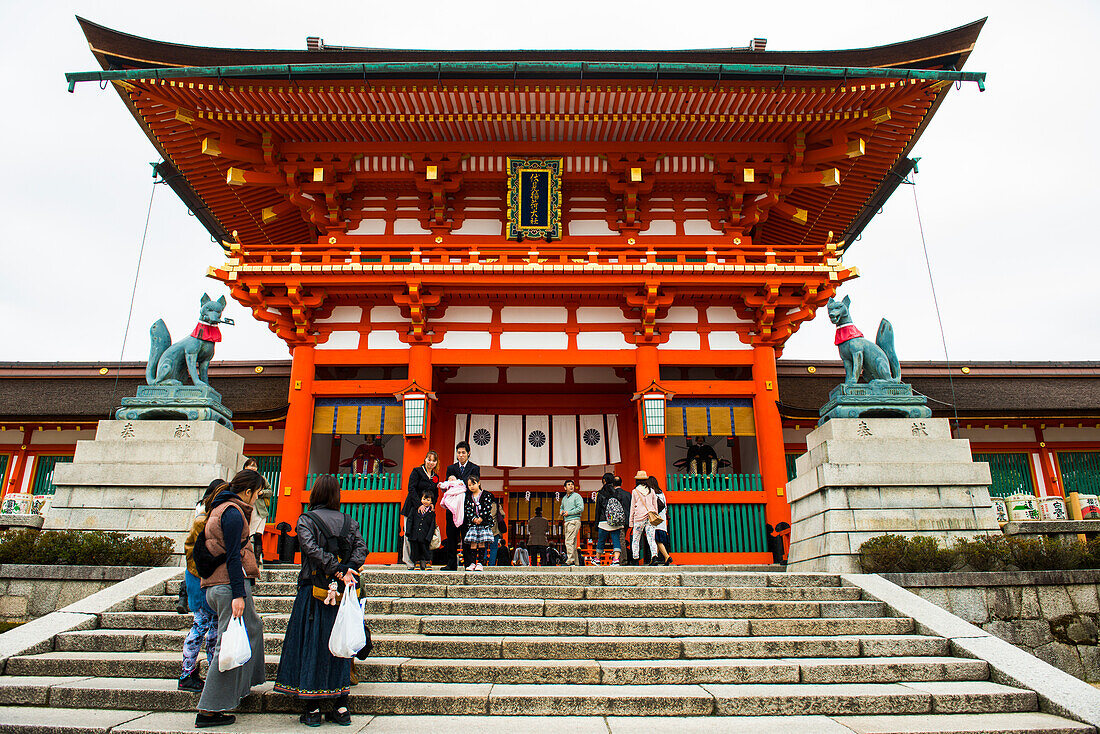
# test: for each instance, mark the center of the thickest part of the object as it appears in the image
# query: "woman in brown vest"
(229, 593)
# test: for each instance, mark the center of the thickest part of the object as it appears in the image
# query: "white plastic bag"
(348, 635)
(235, 648)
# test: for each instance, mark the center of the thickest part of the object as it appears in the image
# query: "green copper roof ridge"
(718, 70)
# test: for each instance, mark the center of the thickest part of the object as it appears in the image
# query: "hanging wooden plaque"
(534, 198)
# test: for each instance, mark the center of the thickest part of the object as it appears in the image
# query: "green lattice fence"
(714, 483)
(43, 473)
(791, 471)
(1011, 473)
(4, 458)
(701, 528)
(378, 523)
(1080, 471)
(359, 482)
(270, 468)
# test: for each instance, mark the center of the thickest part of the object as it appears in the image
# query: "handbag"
(654, 518)
(437, 540)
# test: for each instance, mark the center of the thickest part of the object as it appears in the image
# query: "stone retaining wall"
(31, 591)
(1054, 615)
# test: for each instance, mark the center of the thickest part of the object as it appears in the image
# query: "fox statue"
(171, 364)
(877, 361)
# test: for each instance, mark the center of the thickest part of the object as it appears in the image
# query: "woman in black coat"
(421, 479)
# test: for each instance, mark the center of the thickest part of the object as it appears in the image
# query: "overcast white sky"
(1007, 183)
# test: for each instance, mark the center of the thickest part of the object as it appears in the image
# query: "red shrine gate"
(623, 240)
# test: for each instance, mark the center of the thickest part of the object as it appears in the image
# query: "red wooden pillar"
(420, 372)
(769, 434)
(1052, 487)
(297, 436)
(15, 476)
(651, 451)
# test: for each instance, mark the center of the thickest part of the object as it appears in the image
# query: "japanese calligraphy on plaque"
(534, 198)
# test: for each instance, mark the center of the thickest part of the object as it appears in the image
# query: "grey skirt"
(224, 691)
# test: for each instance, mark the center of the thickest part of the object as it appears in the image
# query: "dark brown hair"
(325, 493)
(652, 483)
(216, 487)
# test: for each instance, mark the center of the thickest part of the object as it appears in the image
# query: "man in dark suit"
(462, 469)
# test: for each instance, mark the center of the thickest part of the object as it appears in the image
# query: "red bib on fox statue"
(844, 332)
(211, 333)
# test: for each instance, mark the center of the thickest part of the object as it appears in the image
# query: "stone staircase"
(802, 652)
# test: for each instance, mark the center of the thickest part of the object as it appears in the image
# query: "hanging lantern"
(414, 400)
(653, 400)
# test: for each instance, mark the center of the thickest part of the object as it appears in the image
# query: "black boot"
(181, 602)
(217, 719)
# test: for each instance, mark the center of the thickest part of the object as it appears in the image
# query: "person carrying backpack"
(226, 560)
(610, 517)
(205, 626)
(332, 550)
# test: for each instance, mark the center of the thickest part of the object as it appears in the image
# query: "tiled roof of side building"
(77, 391)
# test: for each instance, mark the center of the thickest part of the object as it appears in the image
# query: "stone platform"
(863, 478)
(143, 477)
(176, 402)
(559, 650)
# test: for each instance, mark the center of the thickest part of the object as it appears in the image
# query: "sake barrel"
(1023, 507)
(1053, 508)
(1090, 506)
(1000, 508)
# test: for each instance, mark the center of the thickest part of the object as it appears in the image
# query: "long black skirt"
(306, 668)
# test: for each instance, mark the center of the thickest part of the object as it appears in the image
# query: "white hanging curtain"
(540, 440)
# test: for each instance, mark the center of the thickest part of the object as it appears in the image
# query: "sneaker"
(218, 719)
(479, 567)
(313, 718)
(472, 567)
(340, 716)
(190, 682)
(614, 563)
(418, 568)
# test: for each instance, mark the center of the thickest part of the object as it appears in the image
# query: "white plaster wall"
(465, 340)
(681, 340)
(680, 315)
(978, 434)
(409, 226)
(385, 340)
(661, 227)
(343, 315)
(384, 314)
(14, 436)
(587, 340)
(56, 437)
(534, 315)
(369, 226)
(726, 341)
(484, 227)
(466, 315)
(534, 340)
(699, 227)
(723, 315)
(341, 340)
(600, 315)
(1071, 434)
(590, 228)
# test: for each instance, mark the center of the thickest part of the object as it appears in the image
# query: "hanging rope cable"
(936, 303)
(133, 290)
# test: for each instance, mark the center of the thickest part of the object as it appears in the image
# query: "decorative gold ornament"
(259, 368)
(811, 369)
(103, 370)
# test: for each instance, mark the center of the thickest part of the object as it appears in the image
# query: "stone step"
(551, 647)
(542, 591)
(727, 608)
(558, 576)
(35, 720)
(749, 699)
(499, 625)
(611, 672)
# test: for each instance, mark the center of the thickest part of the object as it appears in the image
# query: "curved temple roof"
(707, 100)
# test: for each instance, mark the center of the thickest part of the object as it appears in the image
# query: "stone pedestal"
(176, 402)
(143, 477)
(866, 477)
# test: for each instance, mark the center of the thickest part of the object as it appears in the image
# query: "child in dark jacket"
(421, 529)
(479, 521)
